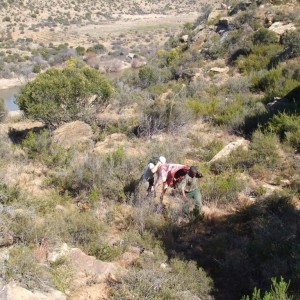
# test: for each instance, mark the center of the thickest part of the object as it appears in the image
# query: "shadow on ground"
(244, 250)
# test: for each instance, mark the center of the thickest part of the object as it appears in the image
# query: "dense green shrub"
(292, 40)
(80, 50)
(8, 194)
(58, 96)
(264, 36)
(259, 58)
(148, 75)
(274, 83)
(288, 128)
(264, 148)
(40, 146)
(278, 291)
(222, 189)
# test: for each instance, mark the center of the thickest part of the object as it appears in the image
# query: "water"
(9, 96)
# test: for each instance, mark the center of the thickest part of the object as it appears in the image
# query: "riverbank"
(11, 82)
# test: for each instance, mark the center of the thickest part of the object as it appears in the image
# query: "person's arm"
(155, 168)
(183, 185)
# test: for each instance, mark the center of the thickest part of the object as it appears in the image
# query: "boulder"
(14, 292)
(73, 134)
(215, 14)
(280, 28)
(219, 70)
(184, 38)
(228, 149)
(90, 266)
(58, 253)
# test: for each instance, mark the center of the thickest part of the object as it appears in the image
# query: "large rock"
(219, 70)
(228, 149)
(58, 253)
(90, 266)
(14, 292)
(73, 134)
(215, 14)
(280, 28)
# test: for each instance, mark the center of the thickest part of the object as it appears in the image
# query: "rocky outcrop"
(219, 70)
(228, 149)
(14, 292)
(73, 134)
(280, 28)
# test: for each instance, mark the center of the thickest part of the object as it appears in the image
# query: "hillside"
(35, 35)
(221, 94)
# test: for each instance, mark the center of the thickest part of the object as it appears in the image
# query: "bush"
(222, 189)
(278, 292)
(180, 280)
(292, 40)
(80, 50)
(288, 128)
(264, 148)
(148, 76)
(39, 146)
(23, 267)
(61, 274)
(3, 110)
(264, 36)
(110, 175)
(259, 58)
(58, 96)
(274, 83)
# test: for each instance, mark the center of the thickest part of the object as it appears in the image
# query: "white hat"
(162, 159)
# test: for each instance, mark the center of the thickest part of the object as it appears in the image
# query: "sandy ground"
(12, 82)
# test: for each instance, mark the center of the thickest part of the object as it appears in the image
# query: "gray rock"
(73, 134)
(14, 292)
(228, 149)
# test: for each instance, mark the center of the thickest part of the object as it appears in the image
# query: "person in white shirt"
(151, 170)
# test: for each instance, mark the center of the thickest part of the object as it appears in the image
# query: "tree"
(80, 50)
(58, 96)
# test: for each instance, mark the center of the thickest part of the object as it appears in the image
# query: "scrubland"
(70, 168)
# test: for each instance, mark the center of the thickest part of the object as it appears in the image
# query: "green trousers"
(194, 195)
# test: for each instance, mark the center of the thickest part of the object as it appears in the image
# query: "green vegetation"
(58, 96)
(278, 291)
(229, 79)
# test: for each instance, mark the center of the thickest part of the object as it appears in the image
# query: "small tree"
(58, 96)
(80, 50)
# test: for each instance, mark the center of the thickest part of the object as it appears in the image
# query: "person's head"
(162, 159)
(194, 172)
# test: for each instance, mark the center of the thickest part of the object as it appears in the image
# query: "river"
(9, 96)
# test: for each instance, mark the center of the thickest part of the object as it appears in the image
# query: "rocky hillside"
(223, 94)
